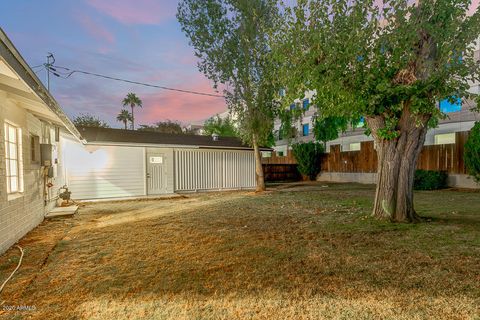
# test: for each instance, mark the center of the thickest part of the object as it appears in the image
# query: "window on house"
(355, 146)
(266, 154)
(453, 104)
(57, 134)
(13, 158)
(280, 154)
(306, 103)
(35, 149)
(445, 138)
(306, 129)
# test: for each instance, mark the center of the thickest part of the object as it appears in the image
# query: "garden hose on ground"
(18, 266)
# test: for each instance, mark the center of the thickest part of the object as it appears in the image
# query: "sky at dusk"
(139, 40)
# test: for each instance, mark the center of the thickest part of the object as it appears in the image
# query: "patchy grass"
(304, 252)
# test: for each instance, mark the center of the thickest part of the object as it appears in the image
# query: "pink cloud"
(96, 30)
(136, 12)
(182, 107)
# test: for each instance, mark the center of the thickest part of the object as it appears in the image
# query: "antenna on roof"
(48, 65)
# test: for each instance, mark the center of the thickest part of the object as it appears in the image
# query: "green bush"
(430, 180)
(308, 158)
(472, 152)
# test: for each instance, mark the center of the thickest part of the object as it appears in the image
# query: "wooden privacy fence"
(280, 168)
(444, 157)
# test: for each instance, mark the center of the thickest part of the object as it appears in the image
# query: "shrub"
(472, 152)
(430, 180)
(308, 158)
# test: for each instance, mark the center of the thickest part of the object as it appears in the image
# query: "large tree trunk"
(258, 166)
(397, 159)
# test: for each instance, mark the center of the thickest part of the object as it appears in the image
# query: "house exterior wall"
(100, 172)
(22, 212)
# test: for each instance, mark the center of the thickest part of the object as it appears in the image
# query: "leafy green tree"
(231, 40)
(472, 152)
(390, 63)
(222, 127)
(167, 126)
(88, 120)
(328, 128)
(124, 116)
(308, 156)
(132, 101)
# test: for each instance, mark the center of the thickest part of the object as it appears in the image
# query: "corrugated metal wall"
(104, 171)
(213, 169)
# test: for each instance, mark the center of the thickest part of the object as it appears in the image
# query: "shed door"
(156, 173)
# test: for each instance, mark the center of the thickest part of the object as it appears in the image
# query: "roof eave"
(19, 65)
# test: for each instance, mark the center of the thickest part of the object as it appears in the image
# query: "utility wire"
(71, 72)
(38, 71)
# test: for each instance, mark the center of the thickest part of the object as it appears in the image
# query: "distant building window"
(292, 106)
(450, 105)
(266, 154)
(306, 129)
(280, 135)
(306, 103)
(280, 153)
(445, 138)
(13, 158)
(355, 146)
(361, 123)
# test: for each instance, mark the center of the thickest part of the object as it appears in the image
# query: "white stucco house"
(31, 125)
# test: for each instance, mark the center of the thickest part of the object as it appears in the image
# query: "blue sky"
(138, 40)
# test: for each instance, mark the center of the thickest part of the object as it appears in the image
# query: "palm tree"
(124, 116)
(133, 101)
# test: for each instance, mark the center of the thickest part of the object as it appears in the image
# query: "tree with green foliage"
(167, 126)
(222, 127)
(231, 40)
(472, 152)
(124, 116)
(328, 128)
(308, 156)
(88, 120)
(390, 63)
(132, 101)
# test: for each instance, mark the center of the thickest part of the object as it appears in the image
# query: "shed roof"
(121, 136)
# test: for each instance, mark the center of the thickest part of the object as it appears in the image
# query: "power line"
(71, 72)
(38, 71)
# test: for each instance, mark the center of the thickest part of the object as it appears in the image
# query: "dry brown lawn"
(304, 252)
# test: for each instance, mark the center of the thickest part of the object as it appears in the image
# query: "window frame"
(307, 126)
(34, 149)
(16, 144)
(306, 104)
